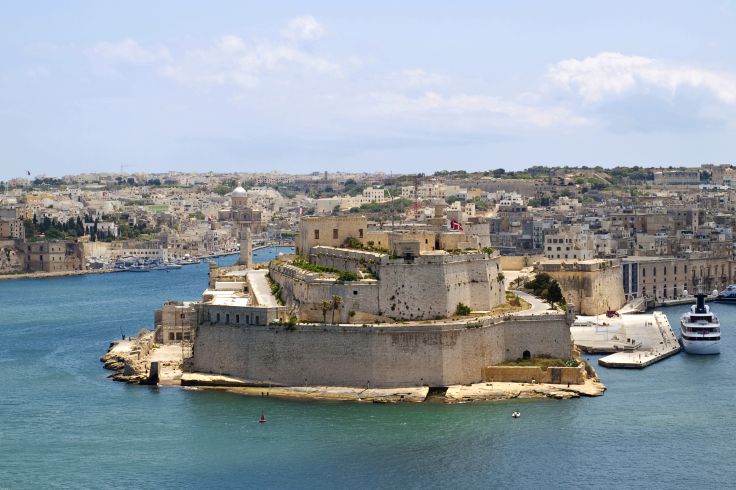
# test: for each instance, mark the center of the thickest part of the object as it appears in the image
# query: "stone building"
(391, 275)
(247, 221)
(54, 256)
(662, 278)
(12, 228)
(176, 322)
(593, 286)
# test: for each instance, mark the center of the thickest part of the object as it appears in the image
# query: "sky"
(90, 86)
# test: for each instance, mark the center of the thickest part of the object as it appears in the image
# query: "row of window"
(336, 234)
(218, 318)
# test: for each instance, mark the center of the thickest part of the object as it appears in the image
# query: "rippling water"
(62, 423)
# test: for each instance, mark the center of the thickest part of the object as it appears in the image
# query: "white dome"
(238, 192)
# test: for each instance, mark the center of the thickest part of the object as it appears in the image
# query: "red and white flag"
(455, 225)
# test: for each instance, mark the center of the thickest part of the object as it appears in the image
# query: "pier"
(634, 341)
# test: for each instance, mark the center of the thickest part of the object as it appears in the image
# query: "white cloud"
(303, 28)
(416, 77)
(612, 74)
(232, 61)
(482, 109)
(129, 51)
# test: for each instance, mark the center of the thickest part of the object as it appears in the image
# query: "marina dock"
(634, 341)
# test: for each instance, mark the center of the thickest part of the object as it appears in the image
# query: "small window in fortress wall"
(334, 233)
(316, 234)
(360, 233)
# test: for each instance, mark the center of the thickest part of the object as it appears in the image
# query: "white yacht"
(728, 294)
(701, 330)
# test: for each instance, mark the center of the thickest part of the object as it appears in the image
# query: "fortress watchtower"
(247, 221)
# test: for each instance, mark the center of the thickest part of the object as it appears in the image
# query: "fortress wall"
(306, 291)
(518, 262)
(527, 374)
(346, 259)
(338, 355)
(430, 287)
(592, 292)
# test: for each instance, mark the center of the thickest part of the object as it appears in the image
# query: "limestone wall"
(592, 292)
(518, 262)
(427, 288)
(385, 356)
(12, 259)
(527, 374)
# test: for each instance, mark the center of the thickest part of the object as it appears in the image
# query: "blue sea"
(64, 424)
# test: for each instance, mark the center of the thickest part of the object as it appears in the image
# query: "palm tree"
(336, 302)
(325, 307)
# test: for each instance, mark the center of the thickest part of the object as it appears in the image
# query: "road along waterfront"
(62, 423)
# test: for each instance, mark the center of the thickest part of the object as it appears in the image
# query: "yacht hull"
(701, 347)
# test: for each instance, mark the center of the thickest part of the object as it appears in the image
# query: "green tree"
(335, 303)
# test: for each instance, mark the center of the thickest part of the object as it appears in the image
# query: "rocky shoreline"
(139, 360)
(47, 275)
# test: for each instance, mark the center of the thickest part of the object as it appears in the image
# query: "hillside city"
(678, 218)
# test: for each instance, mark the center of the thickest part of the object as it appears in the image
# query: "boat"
(262, 419)
(700, 329)
(516, 414)
(728, 294)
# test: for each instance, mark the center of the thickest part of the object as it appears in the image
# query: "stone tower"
(247, 221)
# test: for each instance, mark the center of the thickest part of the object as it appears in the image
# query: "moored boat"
(700, 328)
(728, 294)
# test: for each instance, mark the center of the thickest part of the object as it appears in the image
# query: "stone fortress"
(360, 306)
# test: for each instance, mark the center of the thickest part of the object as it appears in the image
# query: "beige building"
(661, 278)
(56, 256)
(12, 228)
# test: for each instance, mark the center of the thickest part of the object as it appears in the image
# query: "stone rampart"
(425, 288)
(436, 354)
(592, 288)
(529, 374)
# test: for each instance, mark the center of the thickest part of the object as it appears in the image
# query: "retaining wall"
(382, 356)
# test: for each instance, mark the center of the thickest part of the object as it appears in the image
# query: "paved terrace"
(636, 341)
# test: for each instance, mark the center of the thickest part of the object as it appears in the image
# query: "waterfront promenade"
(633, 341)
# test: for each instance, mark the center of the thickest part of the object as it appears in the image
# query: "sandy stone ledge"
(507, 391)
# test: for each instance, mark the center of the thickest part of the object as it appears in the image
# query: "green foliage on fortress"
(546, 288)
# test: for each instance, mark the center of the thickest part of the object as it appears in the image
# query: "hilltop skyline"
(414, 88)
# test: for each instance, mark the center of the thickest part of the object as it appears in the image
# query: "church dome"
(238, 192)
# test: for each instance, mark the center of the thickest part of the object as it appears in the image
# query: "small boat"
(516, 414)
(262, 419)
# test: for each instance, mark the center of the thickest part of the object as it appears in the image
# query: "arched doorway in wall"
(526, 355)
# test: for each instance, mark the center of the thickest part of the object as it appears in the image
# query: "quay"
(634, 341)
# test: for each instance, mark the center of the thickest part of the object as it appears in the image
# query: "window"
(171, 335)
(334, 233)
(643, 272)
(181, 316)
(237, 318)
(227, 318)
(247, 318)
(355, 292)
(316, 234)
(218, 318)
(258, 320)
(360, 233)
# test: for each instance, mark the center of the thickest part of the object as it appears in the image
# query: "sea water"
(64, 424)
